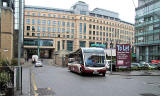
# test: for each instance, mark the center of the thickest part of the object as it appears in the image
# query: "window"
(106, 34)
(33, 14)
(93, 38)
(84, 37)
(49, 29)
(72, 18)
(59, 35)
(63, 17)
(72, 31)
(28, 21)
(80, 36)
(33, 21)
(84, 18)
(67, 24)
(38, 34)
(54, 23)
(93, 26)
(58, 45)
(38, 28)
(97, 38)
(90, 32)
(39, 22)
(28, 27)
(97, 33)
(67, 30)
(43, 29)
(80, 18)
(33, 34)
(97, 27)
(59, 23)
(63, 24)
(33, 28)
(49, 15)
(27, 34)
(94, 32)
(63, 29)
(82, 44)
(67, 17)
(72, 24)
(90, 37)
(100, 33)
(49, 22)
(39, 14)
(100, 27)
(63, 42)
(43, 34)
(80, 28)
(44, 22)
(59, 29)
(59, 16)
(67, 36)
(104, 28)
(103, 33)
(70, 45)
(84, 28)
(90, 26)
(54, 29)
(48, 35)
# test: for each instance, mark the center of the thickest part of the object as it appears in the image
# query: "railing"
(8, 79)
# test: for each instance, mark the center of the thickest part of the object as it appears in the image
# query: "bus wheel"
(103, 74)
(81, 72)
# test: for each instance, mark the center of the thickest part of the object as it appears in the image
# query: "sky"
(125, 8)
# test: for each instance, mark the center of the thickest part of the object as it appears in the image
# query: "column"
(147, 54)
(137, 54)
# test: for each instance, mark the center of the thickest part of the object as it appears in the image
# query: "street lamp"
(38, 46)
(111, 46)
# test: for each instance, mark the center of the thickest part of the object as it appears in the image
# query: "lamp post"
(111, 45)
(38, 46)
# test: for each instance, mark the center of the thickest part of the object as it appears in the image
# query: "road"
(59, 81)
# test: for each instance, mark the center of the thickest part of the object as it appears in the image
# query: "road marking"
(34, 85)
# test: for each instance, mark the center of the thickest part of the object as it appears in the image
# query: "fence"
(9, 80)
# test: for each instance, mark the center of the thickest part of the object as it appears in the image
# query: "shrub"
(14, 62)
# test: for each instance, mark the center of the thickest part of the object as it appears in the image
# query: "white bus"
(87, 60)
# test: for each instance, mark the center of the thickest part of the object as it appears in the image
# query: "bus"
(87, 60)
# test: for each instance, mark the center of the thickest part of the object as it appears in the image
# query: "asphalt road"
(58, 81)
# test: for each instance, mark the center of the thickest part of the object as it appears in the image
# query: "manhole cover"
(148, 94)
(45, 92)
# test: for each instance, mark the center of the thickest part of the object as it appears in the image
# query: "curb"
(134, 75)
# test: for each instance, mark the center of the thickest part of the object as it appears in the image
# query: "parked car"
(38, 64)
(153, 65)
(135, 66)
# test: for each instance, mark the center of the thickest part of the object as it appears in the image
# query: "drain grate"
(148, 94)
(45, 92)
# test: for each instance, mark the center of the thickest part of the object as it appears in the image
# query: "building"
(147, 30)
(53, 29)
(6, 29)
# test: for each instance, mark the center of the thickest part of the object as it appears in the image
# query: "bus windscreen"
(94, 60)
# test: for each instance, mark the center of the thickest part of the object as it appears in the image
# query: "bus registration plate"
(95, 72)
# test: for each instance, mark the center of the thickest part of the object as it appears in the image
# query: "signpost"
(123, 55)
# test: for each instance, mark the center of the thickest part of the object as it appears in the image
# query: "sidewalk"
(138, 73)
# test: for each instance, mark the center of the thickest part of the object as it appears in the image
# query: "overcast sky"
(125, 8)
